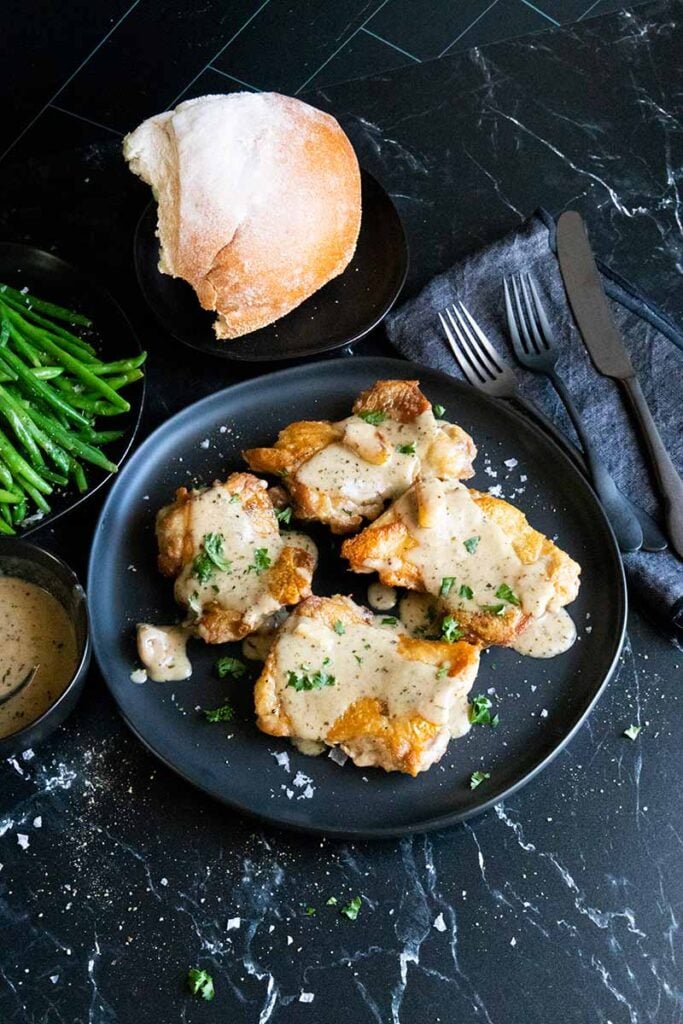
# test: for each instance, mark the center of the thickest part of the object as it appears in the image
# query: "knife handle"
(670, 483)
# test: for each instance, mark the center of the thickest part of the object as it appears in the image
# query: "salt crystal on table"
(306, 997)
(439, 923)
(510, 463)
(22, 840)
(233, 923)
(205, 443)
(37, 822)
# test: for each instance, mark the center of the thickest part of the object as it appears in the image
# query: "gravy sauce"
(552, 634)
(34, 630)
(365, 661)
(381, 597)
(161, 650)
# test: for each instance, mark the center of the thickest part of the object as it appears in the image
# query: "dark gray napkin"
(654, 344)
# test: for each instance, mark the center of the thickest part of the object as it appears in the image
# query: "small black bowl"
(18, 558)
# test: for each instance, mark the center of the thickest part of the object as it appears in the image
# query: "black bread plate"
(51, 278)
(339, 314)
(541, 703)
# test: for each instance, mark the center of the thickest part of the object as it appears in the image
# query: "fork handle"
(670, 483)
(627, 529)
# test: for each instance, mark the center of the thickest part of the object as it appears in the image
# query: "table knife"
(610, 358)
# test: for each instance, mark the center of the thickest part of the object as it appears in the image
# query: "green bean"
(79, 476)
(7, 528)
(120, 365)
(72, 444)
(19, 511)
(24, 347)
(102, 436)
(8, 497)
(54, 478)
(18, 465)
(37, 498)
(82, 349)
(5, 476)
(38, 389)
(60, 312)
(47, 372)
(17, 421)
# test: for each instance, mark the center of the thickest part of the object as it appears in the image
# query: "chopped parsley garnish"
(466, 592)
(480, 712)
(332, 902)
(442, 671)
(351, 909)
(389, 620)
(446, 584)
(309, 911)
(234, 498)
(210, 558)
(222, 714)
(305, 680)
(632, 731)
(506, 594)
(471, 544)
(284, 515)
(494, 609)
(438, 411)
(358, 658)
(261, 561)
(230, 667)
(450, 630)
(339, 627)
(373, 416)
(476, 778)
(200, 983)
(406, 449)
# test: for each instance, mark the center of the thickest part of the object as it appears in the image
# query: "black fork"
(484, 368)
(535, 349)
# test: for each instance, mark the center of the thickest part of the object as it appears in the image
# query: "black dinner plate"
(51, 278)
(541, 702)
(340, 313)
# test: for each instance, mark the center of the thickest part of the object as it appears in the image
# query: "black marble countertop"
(563, 904)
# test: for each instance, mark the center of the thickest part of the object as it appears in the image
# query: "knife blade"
(602, 339)
(587, 298)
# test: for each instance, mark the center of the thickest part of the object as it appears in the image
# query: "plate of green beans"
(71, 387)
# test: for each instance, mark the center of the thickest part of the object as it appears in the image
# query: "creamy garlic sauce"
(34, 630)
(381, 597)
(248, 554)
(366, 465)
(256, 646)
(161, 650)
(417, 613)
(365, 661)
(551, 634)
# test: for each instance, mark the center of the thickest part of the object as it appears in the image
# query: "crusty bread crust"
(259, 201)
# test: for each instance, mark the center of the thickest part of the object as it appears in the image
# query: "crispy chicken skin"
(395, 706)
(231, 599)
(412, 545)
(342, 473)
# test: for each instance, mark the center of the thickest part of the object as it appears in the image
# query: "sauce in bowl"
(35, 629)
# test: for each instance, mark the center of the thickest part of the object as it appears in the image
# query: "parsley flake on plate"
(446, 585)
(505, 593)
(230, 667)
(480, 711)
(466, 592)
(302, 679)
(476, 778)
(389, 620)
(632, 731)
(352, 908)
(438, 411)
(332, 902)
(373, 416)
(450, 630)
(284, 515)
(309, 911)
(200, 983)
(222, 714)
(261, 561)
(471, 544)
(406, 449)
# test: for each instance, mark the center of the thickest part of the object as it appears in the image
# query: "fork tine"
(531, 312)
(540, 312)
(494, 357)
(473, 348)
(512, 323)
(527, 343)
(465, 368)
(465, 348)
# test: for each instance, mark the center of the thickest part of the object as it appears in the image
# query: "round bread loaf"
(258, 199)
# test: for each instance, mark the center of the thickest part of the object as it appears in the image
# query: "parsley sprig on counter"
(480, 711)
(200, 983)
(224, 713)
(53, 388)
(230, 667)
(476, 778)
